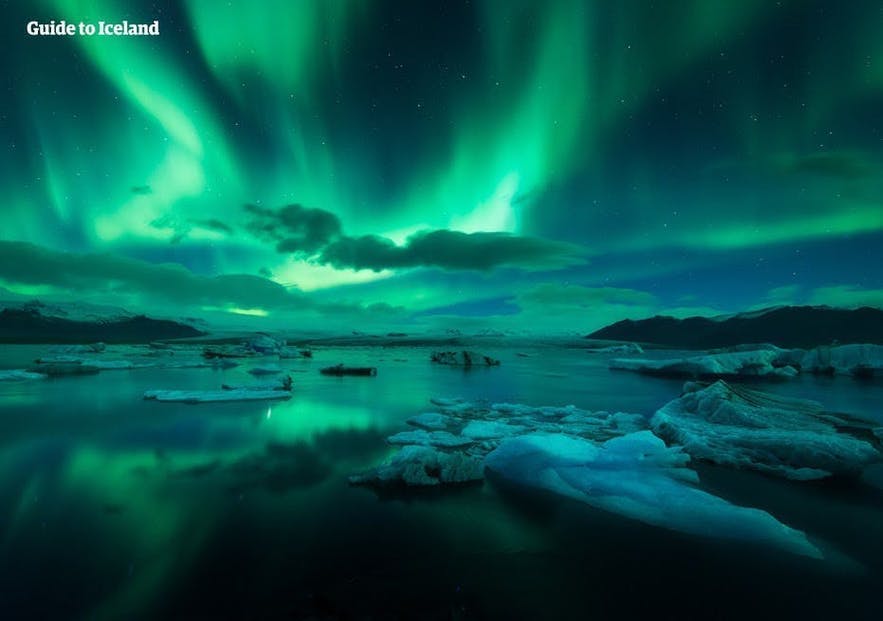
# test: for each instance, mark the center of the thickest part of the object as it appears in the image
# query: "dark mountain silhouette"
(787, 326)
(28, 325)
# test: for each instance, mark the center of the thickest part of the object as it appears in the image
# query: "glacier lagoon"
(121, 507)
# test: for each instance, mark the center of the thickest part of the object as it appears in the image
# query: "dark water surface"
(115, 507)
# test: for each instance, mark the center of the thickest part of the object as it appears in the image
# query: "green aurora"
(340, 164)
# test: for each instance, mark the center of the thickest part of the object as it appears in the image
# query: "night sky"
(545, 166)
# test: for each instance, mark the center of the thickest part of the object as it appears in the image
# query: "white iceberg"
(422, 437)
(863, 361)
(625, 348)
(490, 430)
(637, 476)
(18, 375)
(738, 427)
(423, 466)
(266, 370)
(757, 363)
(215, 396)
(430, 420)
(463, 358)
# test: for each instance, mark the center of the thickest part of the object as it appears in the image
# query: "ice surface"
(423, 466)
(215, 396)
(490, 429)
(429, 438)
(430, 420)
(463, 358)
(734, 426)
(757, 363)
(16, 375)
(625, 348)
(637, 476)
(855, 360)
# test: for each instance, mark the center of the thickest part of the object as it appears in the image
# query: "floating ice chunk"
(120, 365)
(864, 361)
(625, 348)
(423, 466)
(430, 420)
(215, 396)
(637, 476)
(429, 438)
(17, 375)
(794, 438)
(758, 363)
(93, 348)
(283, 384)
(489, 430)
(463, 358)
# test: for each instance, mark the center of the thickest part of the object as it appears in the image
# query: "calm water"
(114, 507)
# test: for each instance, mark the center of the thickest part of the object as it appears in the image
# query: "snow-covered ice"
(422, 437)
(423, 466)
(637, 476)
(215, 396)
(756, 363)
(17, 375)
(463, 358)
(863, 361)
(738, 427)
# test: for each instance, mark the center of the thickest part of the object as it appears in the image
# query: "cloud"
(213, 224)
(294, 228)
(451, 250)
(318, 235)
(27, 264)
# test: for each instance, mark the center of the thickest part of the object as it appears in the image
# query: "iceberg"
(463, 358)
(430, 420)
(490, 430)
(423, 466)
(738, 364)
(639, 477)
(283, 384)
(862, 361)
(421, 437)
(215, 396)
(18, 375)
(794, 438)
(625, 348)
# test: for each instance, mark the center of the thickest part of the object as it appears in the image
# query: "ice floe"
(637, 476)
(421, 437)
(756, 363)
(863, 361)
(734, 426)
(423, 466)
(625, 348)
(17, 375)
(463, 358)
(215, 396)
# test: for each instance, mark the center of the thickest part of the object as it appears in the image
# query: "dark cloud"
(451, 250)
(213, 224)
(318, 234)
(25, 263)
(294, 228)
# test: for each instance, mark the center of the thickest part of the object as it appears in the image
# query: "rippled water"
(115, 507)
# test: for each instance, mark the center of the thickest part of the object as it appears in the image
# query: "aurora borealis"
(518, 165)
